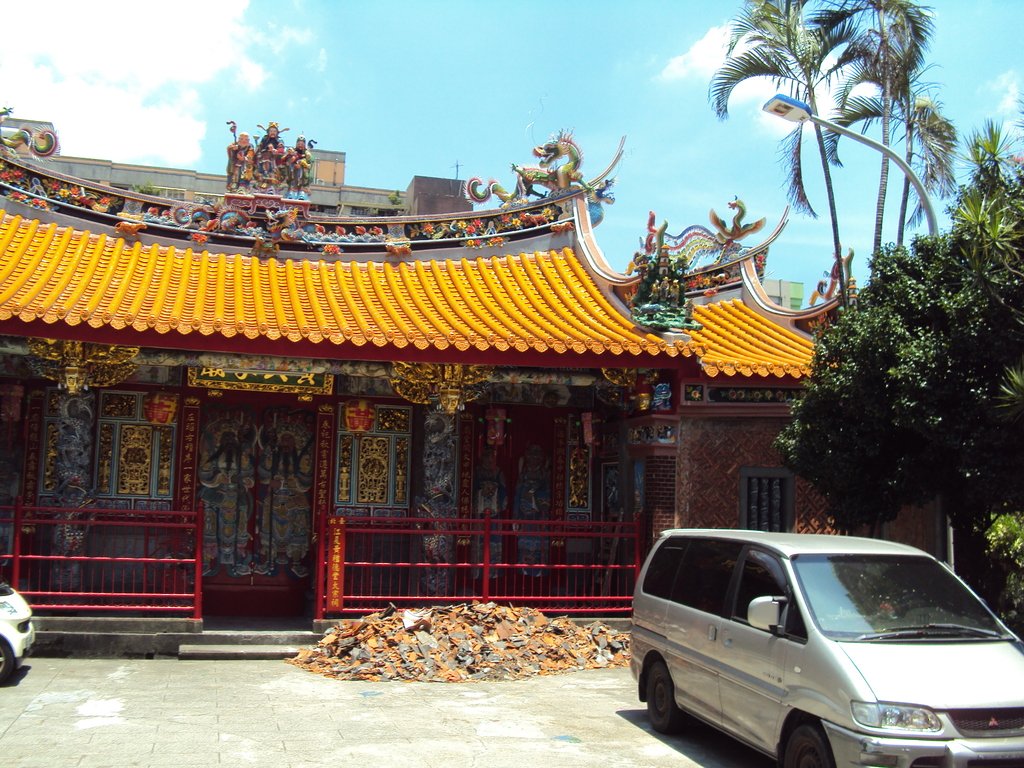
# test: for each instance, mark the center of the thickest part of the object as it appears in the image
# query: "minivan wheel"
(6, 660)
(662, 711)
(808, 748)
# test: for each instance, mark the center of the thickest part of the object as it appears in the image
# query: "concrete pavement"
(167, 712)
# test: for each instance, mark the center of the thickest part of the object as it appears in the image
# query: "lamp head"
(788, 108)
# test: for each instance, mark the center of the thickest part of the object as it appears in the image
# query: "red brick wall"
(660, 492)
(699, 487)
(711, 454)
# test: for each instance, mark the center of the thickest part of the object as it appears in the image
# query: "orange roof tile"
(736, 340)
(544, 302)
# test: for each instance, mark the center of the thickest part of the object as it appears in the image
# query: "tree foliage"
(907, 400)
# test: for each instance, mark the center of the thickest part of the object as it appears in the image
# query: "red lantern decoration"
(495, 419)
(643, 393)
(587, 420)
(359, 415)
(160, 407)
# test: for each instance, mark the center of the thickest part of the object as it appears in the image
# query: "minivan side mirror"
(765, 612)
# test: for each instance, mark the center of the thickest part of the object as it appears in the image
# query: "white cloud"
(701, 60)
(100, 67)
(1007, 90)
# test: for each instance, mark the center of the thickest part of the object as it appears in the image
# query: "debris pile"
(452, 644)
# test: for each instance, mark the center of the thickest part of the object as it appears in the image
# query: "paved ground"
(165, 712)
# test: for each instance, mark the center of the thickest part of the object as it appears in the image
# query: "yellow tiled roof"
(542, 302)
(736, 340)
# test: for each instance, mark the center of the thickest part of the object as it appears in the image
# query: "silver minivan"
(826, 651)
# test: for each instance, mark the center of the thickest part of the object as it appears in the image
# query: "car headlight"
(896, 717)
(6, 607)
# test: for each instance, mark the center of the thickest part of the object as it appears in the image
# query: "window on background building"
(766, 499)
(207, 199)
(170, 193)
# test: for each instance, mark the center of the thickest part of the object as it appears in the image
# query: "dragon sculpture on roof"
(557, 172)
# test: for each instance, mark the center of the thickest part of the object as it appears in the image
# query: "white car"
(826, 651)
(16, 631)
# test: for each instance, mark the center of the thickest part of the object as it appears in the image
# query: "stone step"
(223, 652)
(253, 637)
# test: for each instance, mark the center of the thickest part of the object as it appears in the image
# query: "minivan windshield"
(878, 598)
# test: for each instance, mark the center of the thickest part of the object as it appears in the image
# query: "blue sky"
(416, 88)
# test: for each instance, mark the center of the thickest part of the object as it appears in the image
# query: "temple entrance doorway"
(255, 480)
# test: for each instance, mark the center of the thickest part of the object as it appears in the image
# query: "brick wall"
(711, 454)
(660, 493)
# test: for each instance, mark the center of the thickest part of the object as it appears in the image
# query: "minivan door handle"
(712, 632)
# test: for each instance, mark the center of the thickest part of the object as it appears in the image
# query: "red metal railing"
(144, 562)
(94, 559)
(565, 566)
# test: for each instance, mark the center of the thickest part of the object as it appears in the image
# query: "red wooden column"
(329, 596)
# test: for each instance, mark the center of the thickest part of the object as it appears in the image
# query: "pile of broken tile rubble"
(467, 642)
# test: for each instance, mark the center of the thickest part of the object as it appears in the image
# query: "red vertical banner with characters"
(558, 477)
(335, 564)
(323, 475)
(33, 447)
(188, 453)
(466, 460)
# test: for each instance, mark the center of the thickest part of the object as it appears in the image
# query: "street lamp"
(796, 111)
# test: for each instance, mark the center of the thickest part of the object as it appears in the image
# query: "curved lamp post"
(796, 111)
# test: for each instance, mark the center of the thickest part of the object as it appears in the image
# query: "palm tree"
(888, 52)
(776, 40)
(929, 144)
(934, 136)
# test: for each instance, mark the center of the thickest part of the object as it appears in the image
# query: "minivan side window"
(703, 581)
(665, 562)
(763, 575)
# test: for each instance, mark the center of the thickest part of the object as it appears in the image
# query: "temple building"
(249, 404)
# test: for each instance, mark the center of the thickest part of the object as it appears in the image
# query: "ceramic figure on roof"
(298, 169)
(660, 302)
(270, 154)
(41, 144)
(561, 148)
(241, 162)
(736, 229)
(558, 172)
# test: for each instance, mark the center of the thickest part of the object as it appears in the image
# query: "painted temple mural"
(255, 477)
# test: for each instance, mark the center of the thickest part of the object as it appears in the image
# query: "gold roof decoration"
(77, 365)
(450, 387)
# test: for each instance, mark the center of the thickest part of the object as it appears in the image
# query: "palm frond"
(791, 154)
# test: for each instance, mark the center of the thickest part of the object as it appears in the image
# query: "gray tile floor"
(166, 712)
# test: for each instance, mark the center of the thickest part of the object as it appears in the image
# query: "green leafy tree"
(902, 403)
(778, 41)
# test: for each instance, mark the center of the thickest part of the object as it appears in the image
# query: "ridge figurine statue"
(660, 302)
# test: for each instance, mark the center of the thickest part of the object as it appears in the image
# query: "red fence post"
(198, 520)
